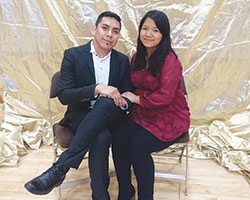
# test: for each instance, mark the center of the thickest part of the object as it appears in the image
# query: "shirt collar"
(93, 51)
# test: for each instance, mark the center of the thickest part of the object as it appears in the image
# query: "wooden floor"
(207, 180)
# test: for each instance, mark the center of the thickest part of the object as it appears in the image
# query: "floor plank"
(207, 180)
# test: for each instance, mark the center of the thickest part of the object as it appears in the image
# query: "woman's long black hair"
(156, 60)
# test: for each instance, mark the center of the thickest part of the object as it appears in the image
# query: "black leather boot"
(48, 180)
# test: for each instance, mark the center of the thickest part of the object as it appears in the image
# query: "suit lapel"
(90, 63)
(88, 57)
(114, 65)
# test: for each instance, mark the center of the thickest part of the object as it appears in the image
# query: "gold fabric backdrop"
(211, 38)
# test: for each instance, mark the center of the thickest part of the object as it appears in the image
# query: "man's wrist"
(96, 91)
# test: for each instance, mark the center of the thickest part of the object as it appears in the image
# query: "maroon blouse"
(163, 108)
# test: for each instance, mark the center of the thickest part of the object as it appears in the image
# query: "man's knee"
(105, 103)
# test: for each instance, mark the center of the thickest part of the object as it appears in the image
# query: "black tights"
(133, 145)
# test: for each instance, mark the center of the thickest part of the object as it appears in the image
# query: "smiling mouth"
(147, 40)
(107, 41)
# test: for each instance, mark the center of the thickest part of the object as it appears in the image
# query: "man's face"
(106, 34)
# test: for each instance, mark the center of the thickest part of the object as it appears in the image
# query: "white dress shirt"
(101, 67)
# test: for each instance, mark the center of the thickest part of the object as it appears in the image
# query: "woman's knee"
(136, 151)
(139, 148)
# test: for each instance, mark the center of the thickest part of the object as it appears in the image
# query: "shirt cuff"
(124, 107)
(96, 96)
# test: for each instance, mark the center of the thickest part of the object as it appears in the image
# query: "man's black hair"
(107, 14)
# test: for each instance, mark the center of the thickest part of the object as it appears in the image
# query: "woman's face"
(150, 35)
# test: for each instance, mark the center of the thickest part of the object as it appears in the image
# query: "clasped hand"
(132, 97)
(110, 92)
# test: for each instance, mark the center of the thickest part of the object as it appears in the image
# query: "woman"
(160, 113)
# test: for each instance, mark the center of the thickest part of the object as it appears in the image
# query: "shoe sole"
(43, 192)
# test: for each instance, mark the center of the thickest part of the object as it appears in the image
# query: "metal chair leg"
(182, 151)
(59, 190)
(186, 174)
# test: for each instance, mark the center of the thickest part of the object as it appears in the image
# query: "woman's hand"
(132, 97)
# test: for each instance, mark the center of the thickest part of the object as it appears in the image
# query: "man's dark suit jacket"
(77, 81)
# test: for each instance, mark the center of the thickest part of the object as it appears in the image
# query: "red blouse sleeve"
(170, 77)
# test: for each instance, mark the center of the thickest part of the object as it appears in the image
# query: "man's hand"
(110, 92)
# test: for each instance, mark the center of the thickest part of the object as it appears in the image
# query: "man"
(93, 76)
